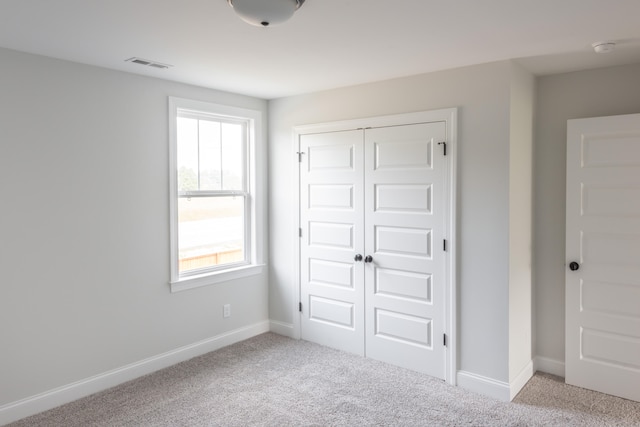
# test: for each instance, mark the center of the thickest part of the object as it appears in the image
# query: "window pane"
(210, 232)
(187, 154)
(232, 153)
(210, 156)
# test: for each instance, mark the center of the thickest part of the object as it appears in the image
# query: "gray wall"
(482, 94)
(84, 219)
(602, 92)
(84, 241)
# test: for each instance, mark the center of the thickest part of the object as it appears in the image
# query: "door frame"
(449, 116)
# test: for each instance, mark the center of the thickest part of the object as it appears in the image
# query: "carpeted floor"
(271, 380)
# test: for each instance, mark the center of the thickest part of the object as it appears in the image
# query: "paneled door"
(332, 237)
(404, 236)
(603, 255)
(372, 267)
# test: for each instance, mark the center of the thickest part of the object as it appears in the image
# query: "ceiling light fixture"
(265, 13)
(603, 47)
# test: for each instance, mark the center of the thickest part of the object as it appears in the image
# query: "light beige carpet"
(271, 380)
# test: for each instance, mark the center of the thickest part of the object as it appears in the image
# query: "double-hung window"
(213, 193)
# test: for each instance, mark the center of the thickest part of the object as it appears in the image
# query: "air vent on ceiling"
(148, 63)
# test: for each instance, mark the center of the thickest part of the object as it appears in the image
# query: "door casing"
(449, 116)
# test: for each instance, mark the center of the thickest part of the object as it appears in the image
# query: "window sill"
(192, 282)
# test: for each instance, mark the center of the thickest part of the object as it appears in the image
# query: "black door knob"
(574, 266)
(368, 258)
(358, 257)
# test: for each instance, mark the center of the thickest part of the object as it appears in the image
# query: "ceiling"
(327, 43)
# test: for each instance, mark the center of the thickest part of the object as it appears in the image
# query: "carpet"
(270, 380)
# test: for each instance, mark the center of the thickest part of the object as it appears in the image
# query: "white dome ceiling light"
(603, 47)
(265, 13)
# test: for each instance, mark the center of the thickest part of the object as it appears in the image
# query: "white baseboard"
(548, 365)
(281, 328)
(484, 385)
(521, 380)
(50, 399)
(493, 388)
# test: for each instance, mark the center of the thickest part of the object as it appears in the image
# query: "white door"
(332, 234)
(372, 263)
(404, 234)
(603, 255)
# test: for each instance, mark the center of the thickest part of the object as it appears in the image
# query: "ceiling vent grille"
(148, 63)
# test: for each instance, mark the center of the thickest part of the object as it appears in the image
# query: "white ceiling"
(327, 44)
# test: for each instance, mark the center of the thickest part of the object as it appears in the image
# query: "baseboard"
(281, 328)
(483, 385)
(521, 380)
(548, 365)
(493, 388)
(50, 399)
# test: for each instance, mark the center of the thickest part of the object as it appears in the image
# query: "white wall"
(84, 240)
(602, 92)
(482, 94)
(520, 222)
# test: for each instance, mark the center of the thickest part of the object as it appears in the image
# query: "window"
(214, 207)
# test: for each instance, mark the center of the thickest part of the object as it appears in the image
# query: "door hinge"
(299, 232)
(444, 339)
(444, 245)
(299, 153)
(444, 144)
(300, 307)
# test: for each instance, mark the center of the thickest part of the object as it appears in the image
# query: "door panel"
(603, 236)
(331, 212)
(404, 218)
(402, 198)
(403, 328)
(332, 312)
(403, 285)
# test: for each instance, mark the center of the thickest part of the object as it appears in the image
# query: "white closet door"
(404, 233)
(603, 255)
(331, 214)
(372, 263)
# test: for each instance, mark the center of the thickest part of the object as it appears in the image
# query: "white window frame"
(253, 208)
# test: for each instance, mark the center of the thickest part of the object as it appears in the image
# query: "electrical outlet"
(226, 310)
